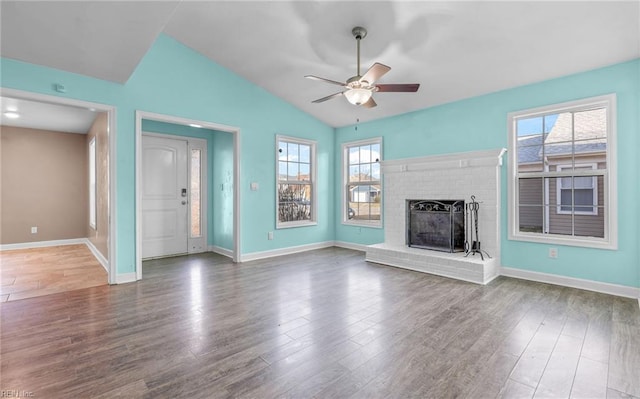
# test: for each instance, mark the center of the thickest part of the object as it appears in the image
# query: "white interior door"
(164, 197)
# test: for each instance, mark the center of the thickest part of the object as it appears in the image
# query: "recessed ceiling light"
(12, 115)
(194, 125)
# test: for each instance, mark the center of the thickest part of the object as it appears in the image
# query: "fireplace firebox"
(436, 225)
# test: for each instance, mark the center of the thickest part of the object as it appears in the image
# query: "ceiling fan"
(360, 89)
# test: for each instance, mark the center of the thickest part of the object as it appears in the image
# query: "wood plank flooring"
(28, 273)
(321, 324)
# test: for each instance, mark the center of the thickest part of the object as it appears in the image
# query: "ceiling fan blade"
(325, 80)
(323, 99)
(370, 104)
(405, 88)
(375, 72)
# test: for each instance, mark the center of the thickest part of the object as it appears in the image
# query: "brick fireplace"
(442, 177)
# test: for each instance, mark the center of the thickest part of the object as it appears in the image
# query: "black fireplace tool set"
(472, 241)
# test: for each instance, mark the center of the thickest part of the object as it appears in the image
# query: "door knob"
(184, 202)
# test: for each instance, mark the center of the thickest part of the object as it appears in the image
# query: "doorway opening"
(65, 123)
(197, 198)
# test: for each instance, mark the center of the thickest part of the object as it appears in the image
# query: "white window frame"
(313, 182)
(610, 210)
(345, 184)
(594, 188)
(93, 177)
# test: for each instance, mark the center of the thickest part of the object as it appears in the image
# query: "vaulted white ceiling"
(455, 49)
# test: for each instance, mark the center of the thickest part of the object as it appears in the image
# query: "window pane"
(365, 154)
(364, 202)
(195, 193)
(562, 129)
(305, 153)
(293, 150)
(354, 173)
(530, 156)
(365, 172)
(292, 171)
(375, 171)
(593, 147)
(282, 150)
(529, 126)
(590, 124)
(559, 152)
(294, 202)
(305, 172)
(282, 170)
(354, 155)
(531, 191)
(531, 218)
(375, 152)
(590, 225)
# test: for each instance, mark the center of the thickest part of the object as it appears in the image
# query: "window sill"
(290, 225)
(586, 242)
(364, 223)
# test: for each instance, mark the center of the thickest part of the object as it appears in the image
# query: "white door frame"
(204, 186)
(140, 115)
(111, 266)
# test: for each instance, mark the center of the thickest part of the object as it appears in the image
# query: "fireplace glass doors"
(437, 225)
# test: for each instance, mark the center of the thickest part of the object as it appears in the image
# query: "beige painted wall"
(99, 236)
(44, 184)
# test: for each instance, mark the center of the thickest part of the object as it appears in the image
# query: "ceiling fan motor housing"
(359, 32)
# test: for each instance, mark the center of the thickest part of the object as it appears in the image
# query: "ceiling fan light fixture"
(358, 96)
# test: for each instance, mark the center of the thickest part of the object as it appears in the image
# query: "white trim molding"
(220, 251)
(351, 245)
(447, 161)
(125, 278)
(285, 251)
(98, 255)
(572, 282)
(43, 244)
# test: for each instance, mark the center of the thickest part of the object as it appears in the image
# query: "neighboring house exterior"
(364, 193)
(576, 140)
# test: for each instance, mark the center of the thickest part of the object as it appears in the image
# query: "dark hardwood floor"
(321, 324)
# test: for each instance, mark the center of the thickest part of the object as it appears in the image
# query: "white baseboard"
(351, 245)
(285, 251)
(221, 251)
(126, 278)
(42, 244)
(589, 285)
(103, 261)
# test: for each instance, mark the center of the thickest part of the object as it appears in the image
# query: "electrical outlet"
(270, 235)
(553, 253)
(34, 230)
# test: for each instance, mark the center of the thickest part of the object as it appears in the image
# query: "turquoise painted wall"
(222, 183)
(481, 123)
(175, 80)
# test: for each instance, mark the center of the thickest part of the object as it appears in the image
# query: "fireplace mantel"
(457, 176)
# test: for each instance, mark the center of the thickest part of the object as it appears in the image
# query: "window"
(362, 183)
(562, 175)
(194, 197)
(580, 191)
(92, 183)
(296, 189)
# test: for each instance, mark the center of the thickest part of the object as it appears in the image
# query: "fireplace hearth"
(436, 224)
